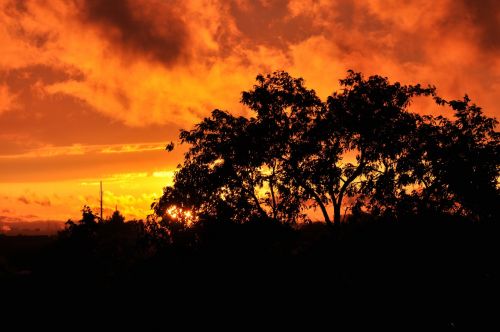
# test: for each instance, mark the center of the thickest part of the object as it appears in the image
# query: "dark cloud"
(156, 33)
(26, 225)
(410, 47)
(34, 200)
(23, 199)
(20, 79)
(482, 16)
(356, 29)
(17, 9)
(485, 15)
(4, 219)
(16, 6)
(270, 23)
(346, 13)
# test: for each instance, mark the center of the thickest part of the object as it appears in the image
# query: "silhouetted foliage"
(457, 162)
(373, 268)
(363, 144)
(95, 248)
(85, 228)
(117, 218)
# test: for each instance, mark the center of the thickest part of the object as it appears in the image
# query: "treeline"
(104, 251)
(427, 271)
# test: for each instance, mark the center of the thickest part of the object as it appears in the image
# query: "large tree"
(364, 129)
(297, 152)
(236, 166)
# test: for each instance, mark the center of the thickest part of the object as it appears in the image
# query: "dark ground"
(415, 274)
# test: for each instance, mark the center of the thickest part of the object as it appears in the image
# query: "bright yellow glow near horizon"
(131, 193)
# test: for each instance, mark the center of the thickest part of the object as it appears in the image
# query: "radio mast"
(101, 199)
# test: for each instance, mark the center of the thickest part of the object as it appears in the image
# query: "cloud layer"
(91, 88)
(144, 62)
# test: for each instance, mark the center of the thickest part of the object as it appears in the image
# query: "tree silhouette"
(457, 161)
(85, 227)
(237, 167)
(117, 218)
(363, 143)
(367, 119)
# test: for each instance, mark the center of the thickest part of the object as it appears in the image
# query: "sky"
(93, 90)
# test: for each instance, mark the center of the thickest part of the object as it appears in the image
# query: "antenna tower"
(101, 199)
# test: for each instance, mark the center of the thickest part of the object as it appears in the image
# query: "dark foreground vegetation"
(432, 271)
(409, 236)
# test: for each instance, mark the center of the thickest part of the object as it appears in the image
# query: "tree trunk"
(337, 203)
(337, 212)
(325, 212)
(317, 199)
(275, 208)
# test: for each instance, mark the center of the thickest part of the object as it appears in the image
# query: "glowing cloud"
(93, 88)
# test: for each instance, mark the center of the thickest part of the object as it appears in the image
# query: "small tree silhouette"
(117, 218)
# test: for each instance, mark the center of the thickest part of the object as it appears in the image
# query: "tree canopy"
(362, 149)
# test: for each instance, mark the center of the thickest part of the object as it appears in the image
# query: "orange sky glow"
(93, 90)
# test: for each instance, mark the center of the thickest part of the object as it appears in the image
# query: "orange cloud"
(92, 88)
(6, 98)
(79, 149)
(150, 62)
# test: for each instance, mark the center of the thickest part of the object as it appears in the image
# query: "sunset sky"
(93, 90)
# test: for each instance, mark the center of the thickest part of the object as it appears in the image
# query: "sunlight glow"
(181, 215)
